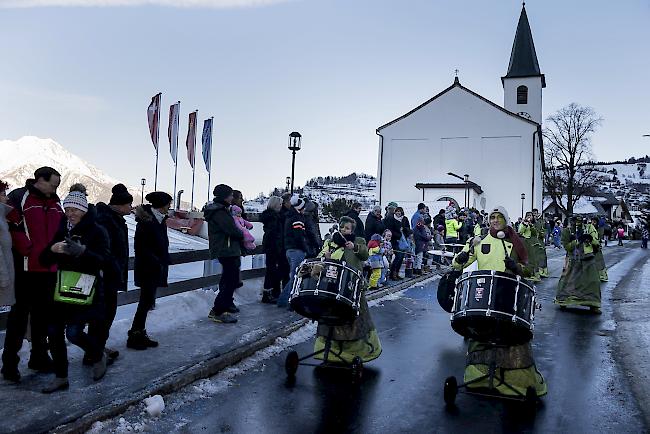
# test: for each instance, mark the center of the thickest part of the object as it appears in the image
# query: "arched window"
(522, 95)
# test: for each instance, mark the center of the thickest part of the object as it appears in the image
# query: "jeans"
(294, 257)
(34, 299)
(227, 284)
(418, 261)
(147, 299)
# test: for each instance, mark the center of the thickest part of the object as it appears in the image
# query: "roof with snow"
(523, 58)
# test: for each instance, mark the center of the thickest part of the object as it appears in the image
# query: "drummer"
(541, 243)
(528, 234)
(360, 337)
(579, 284)
(500, 250)
(593, 228)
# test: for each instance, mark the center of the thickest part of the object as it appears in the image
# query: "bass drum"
(327, 291)
(495, 307)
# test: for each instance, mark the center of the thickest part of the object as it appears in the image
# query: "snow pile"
(155, 405)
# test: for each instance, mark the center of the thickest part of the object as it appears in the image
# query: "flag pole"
(155, 179)
(178, 205)
(194, 160)
(210, 157)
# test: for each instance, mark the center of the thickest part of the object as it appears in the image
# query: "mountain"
(20, 158)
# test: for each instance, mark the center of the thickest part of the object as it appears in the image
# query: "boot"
(267, 297)
(42, 364)
(56, 385)
(139, 340)
(111, 355)
(99, 368)
(10, 373)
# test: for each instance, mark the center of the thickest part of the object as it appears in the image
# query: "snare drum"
(327, 290)
(496, 307)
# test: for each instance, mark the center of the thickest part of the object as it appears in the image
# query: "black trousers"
(61, 326)
(227, 284)
(147, 299)
(397, 263)
(274, 272)
(100, 329)
(34, 299)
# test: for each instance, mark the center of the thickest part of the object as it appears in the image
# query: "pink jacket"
(244, 226)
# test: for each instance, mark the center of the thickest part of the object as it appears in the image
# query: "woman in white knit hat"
(81, 250)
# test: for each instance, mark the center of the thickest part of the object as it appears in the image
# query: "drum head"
(324, 309)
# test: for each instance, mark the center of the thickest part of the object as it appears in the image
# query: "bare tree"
(570, 168)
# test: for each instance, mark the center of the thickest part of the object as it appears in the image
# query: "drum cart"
(292, 361)
(452, 387)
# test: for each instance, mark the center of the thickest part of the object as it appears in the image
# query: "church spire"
(523, 59)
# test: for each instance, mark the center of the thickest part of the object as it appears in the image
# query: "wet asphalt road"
(402, 390)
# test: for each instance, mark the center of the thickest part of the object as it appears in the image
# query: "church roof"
(523, 59)
(457, 84)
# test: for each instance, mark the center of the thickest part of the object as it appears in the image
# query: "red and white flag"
(191, 138)
(172, 131)
(153, 116)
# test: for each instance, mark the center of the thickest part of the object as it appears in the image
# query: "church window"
(522, 95)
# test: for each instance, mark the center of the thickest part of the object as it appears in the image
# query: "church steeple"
(523, 58)
(523, 83)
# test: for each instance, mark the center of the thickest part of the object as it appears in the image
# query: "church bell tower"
(523, 83)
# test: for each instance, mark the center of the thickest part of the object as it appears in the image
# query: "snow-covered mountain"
(20, 158)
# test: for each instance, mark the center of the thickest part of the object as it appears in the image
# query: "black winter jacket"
(117, 268)
(225, 238)
(374, 225)
(295, 231)
(151, 246)
(397, 229)
(273, 229)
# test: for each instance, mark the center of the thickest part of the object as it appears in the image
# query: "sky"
(83, 73)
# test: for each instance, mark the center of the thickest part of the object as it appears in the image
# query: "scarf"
(517, 245)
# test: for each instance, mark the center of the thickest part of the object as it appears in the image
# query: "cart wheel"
(531, 398)
(291, 363)
(357, 369)
(451, 390)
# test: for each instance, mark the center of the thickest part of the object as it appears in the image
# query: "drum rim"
(520, 280)
(341, 264)
(513, 318)
(336, 295)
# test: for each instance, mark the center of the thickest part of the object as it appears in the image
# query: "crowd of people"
(63, 262)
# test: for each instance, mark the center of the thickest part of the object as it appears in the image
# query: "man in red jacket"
(33, 223)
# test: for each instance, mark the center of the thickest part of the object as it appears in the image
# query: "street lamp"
(142, 182)
(288, 183)
(523, 197)
(178, 199)
(465, 179)
(295, 140)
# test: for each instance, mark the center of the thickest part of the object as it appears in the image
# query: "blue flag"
(206, 139)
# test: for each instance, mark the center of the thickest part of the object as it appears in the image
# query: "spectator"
(359, 230)
(621, 235)
(80, 247)
(314, 240)
(644, 236)
(374, 224)
(284, 263)
(33, 222)
(452, 226)
(7, 273)
(111, 218)
(152, 261)
(400, 227)
(238, 200)
(295, 243)
(557, 234)
(422, 238)
(272, 247)
(225, 245)
(244, 226)
(376, 261)
(420, 213)
(439, 220)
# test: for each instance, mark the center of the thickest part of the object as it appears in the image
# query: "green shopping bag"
(74, 288)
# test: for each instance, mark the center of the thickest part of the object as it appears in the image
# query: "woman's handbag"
(403, 244)
(74, 288)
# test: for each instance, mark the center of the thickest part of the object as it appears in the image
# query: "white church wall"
(458, 133)
(534, 106)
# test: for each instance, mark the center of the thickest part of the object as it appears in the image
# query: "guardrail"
(177, 258)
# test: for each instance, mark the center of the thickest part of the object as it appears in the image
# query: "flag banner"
(153, 116)
(172, 131)
(206, 140)
(191, 138)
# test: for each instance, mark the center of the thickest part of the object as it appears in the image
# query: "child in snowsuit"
(376, 260)
(388, 253)
(621, 234)
(244, 226)
(557, 233)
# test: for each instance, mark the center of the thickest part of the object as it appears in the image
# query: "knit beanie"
(158, 199)
(120, 196)
(76, 199)
(221, 192)
(375, 237)
(392, 205)
(297, 202)
(501, 210)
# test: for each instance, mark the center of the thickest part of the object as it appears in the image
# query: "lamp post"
(142, 182)
(523, 197)
(465, 179)
(295, 141)
(288, 183)
(178, 199)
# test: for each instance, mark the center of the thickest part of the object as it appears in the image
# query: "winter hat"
(120, 196)
(79, 187)
(234, 210)
(501, 210)
(392, 205)
(76, 199)
(375, 237)
(221, 192)
(158, 199)
(297, 202)
(440, 228)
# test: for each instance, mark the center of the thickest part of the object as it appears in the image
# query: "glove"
(73, 248)
(572, 237)
(511, 264)
(462, 257)
(586, 238)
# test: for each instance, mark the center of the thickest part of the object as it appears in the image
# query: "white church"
(495, 151)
